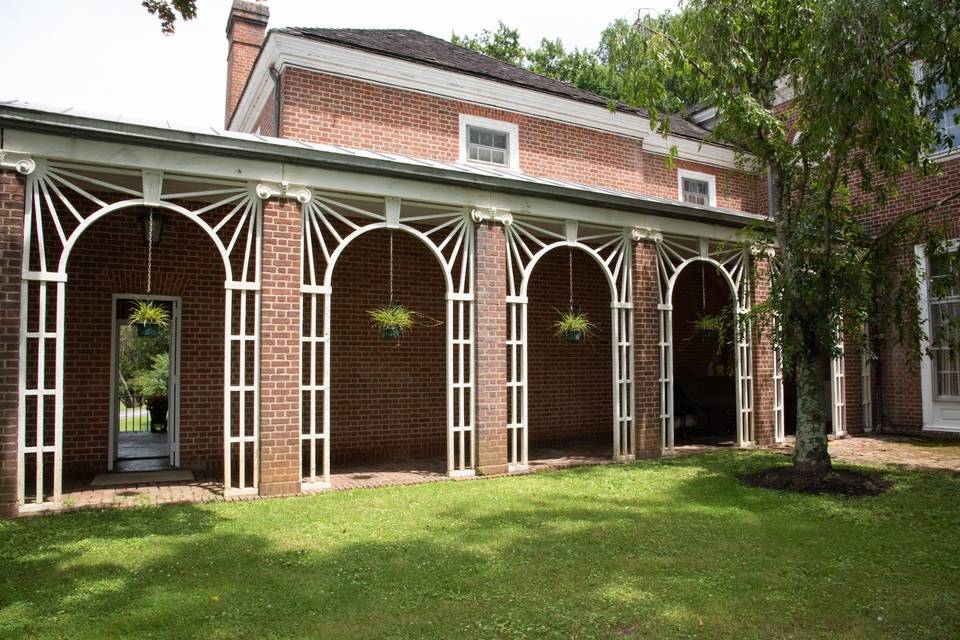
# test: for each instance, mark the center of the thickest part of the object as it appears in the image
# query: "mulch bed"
(837, 482)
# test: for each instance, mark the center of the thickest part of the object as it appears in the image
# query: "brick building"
(357, 167)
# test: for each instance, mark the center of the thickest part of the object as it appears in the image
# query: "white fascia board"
(282, 50)
(174, 162)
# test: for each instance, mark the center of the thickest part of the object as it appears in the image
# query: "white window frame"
(938, 415)
(710, 179)
(509, 128)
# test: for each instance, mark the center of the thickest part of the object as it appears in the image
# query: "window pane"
(499, 156)
(500, 140)
(947, 123)
(473, 152)
(696, 191)
(474, 135)
(484, 154)
(486, 138)
(944, 331)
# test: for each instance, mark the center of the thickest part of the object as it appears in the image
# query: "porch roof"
(210, 140)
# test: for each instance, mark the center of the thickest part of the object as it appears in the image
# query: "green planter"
(390, 333)
(147, 330)
(573, 336)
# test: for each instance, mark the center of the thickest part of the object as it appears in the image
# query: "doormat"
(141, 477)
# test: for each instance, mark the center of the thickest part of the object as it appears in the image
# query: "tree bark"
(811, 461)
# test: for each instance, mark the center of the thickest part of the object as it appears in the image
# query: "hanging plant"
(573, 326)
(708, 327)
(148, 318)
(392, 320)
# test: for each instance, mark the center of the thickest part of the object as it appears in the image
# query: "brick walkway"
(899, 451)
(79, 495)
(911, 453)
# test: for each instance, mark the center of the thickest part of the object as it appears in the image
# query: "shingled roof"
(420, 48)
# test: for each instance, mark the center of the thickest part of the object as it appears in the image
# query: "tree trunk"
(811, 461)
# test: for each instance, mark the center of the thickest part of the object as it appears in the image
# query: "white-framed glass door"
(940, 370)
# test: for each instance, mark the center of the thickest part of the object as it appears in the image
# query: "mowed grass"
(671, 549)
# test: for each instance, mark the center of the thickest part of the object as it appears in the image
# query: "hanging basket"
(574, 336)
(147, 330)
(390, 333)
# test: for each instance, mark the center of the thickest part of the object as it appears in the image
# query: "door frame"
(173, 389)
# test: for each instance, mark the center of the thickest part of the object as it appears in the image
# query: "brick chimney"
(246, 29)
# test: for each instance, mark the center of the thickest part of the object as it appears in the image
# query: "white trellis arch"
(528, 240)
(62, 200)
(674, 253)
(329, 224)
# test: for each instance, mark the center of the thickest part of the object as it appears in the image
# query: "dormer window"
(489, 142)
(697, 188)
(487, 145)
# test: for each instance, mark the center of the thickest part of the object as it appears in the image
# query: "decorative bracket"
(300, 193)
(645, 233)
(492, 215)
(21, 162)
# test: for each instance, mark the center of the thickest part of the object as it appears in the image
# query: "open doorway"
(144, 426)
(704, 359)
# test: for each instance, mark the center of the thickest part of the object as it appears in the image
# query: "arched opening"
(570, 411)
(704, 357)
(388, 405)
(107, 268)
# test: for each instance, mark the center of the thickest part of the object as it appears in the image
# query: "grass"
(671, 549)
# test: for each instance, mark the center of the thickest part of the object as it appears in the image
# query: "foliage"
(149, 312)
(394, 316)
(719, 325)
(167, 11)
(502, 44)
(668, 550)
(585, 69)
(834, 153)
(573, 321)
(155, 381)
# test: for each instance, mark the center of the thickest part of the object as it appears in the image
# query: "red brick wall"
(570, 392)
(245, 31)
(318, 107)
(646, 348)
(491, 337)
(692, 353)
(111, 258)
(280, 349)
(388, 398)
(899, 375)
(11, 239)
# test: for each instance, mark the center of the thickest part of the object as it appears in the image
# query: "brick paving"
(892, 450)
(900, 451)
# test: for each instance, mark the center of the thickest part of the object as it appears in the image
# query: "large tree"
(863, 76)
(168, 10)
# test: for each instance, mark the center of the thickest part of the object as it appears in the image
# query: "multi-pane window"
(695, 191)
(487, 145)
(944, 330)
(948, 122)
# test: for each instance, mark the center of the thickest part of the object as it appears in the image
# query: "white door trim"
(173, 423)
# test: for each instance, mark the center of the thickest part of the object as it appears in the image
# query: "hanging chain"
(570, 260)
(391, 267)
(703, 288)
(150, 251)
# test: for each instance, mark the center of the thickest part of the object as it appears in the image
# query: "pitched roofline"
(283, 49)
(248, 146)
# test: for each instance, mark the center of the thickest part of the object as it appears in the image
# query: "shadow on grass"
(669, 549)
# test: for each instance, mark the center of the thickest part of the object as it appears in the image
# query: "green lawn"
(673, 549)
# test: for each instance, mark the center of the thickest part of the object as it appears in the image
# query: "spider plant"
(392, 320)
(148, 317)
(574, 326)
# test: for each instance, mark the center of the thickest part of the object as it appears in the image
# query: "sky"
(109, 56)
